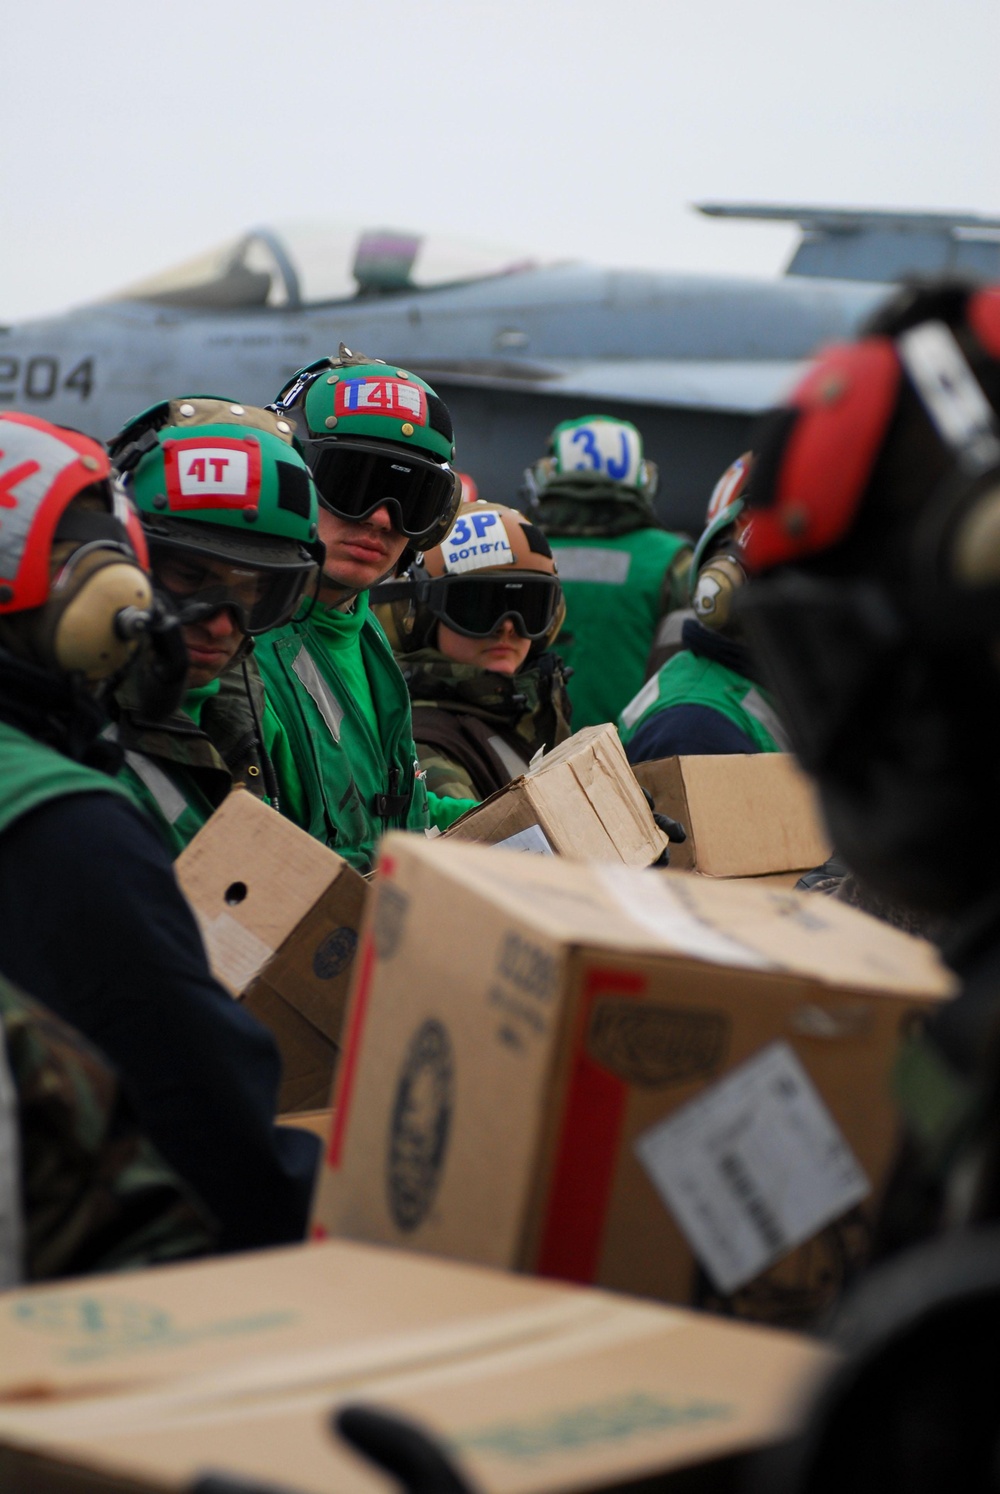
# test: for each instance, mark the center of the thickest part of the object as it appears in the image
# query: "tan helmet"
(493, 564)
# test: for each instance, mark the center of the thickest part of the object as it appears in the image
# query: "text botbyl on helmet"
(375, 434)
(224, 481)
(493, 564)
(79, 571)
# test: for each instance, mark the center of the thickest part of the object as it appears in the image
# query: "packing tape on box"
(235, 953)
(656, 906)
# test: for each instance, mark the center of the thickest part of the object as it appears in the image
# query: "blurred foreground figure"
(471, 626)
(875, 614)
(622, 573)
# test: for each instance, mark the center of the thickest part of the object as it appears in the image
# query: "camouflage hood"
(587, 505)
(533, 704)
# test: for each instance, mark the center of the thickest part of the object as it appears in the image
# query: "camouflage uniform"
(179, 772)
(95, 1194)
(475, 729)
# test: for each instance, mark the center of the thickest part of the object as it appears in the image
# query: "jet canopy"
(306, 264)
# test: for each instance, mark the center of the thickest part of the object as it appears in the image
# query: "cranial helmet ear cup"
(975, 545)
(78, 621)
(718, 582)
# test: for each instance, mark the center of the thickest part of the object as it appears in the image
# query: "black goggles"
(260, 597)
(354, 480)
(476, 606)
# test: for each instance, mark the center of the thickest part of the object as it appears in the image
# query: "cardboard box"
(150, 1379)
(580, 800)
(520, 1023)
(279, 914)
(745, 815)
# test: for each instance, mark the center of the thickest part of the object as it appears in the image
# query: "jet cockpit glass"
(308, 264)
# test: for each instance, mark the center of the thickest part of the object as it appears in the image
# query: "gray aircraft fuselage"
(690, 359)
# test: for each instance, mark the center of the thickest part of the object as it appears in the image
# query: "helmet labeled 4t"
(375, 434)
(228, 507)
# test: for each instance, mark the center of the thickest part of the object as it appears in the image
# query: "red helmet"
(43, 467)
(823, 445)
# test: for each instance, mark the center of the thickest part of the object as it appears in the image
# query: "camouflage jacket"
(94, 1194)
(476, 730)
(179, 772)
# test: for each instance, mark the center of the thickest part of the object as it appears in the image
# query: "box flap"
(735, 923)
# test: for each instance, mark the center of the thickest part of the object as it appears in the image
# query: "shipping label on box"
(279, 914)
(521, 1026)
(746, 815)
(580, 800)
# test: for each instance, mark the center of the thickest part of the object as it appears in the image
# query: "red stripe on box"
(588, 1147)
(349, 1058)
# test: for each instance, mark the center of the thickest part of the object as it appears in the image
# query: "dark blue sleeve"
(95, 926)
(686, 731)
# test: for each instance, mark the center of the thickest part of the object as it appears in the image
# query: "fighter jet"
(514, 344)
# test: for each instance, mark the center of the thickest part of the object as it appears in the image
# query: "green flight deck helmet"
(375, 434)
(228, 507)
(594, 480)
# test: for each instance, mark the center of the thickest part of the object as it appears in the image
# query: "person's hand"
(672, 829)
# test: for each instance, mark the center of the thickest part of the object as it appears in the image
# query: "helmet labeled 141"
(376, 435)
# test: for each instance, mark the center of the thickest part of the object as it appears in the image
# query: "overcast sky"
(135, 134)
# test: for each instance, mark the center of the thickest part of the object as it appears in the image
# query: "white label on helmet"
(951, 393)
(725, 489)
(606, 446)
(224, 473)
(367, 396)
(477, 541)
(30, 462)
(212, 469)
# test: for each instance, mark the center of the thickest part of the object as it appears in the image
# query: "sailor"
(875, 611)
(230, 517)
(708, 698)
(378, 442)
(622, 573)
(94, 925)
(472, 624)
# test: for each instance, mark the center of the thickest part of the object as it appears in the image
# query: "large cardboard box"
(149, 1380)
(746, 815)
(521, 1025)
(580, 800)
(279, 914)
